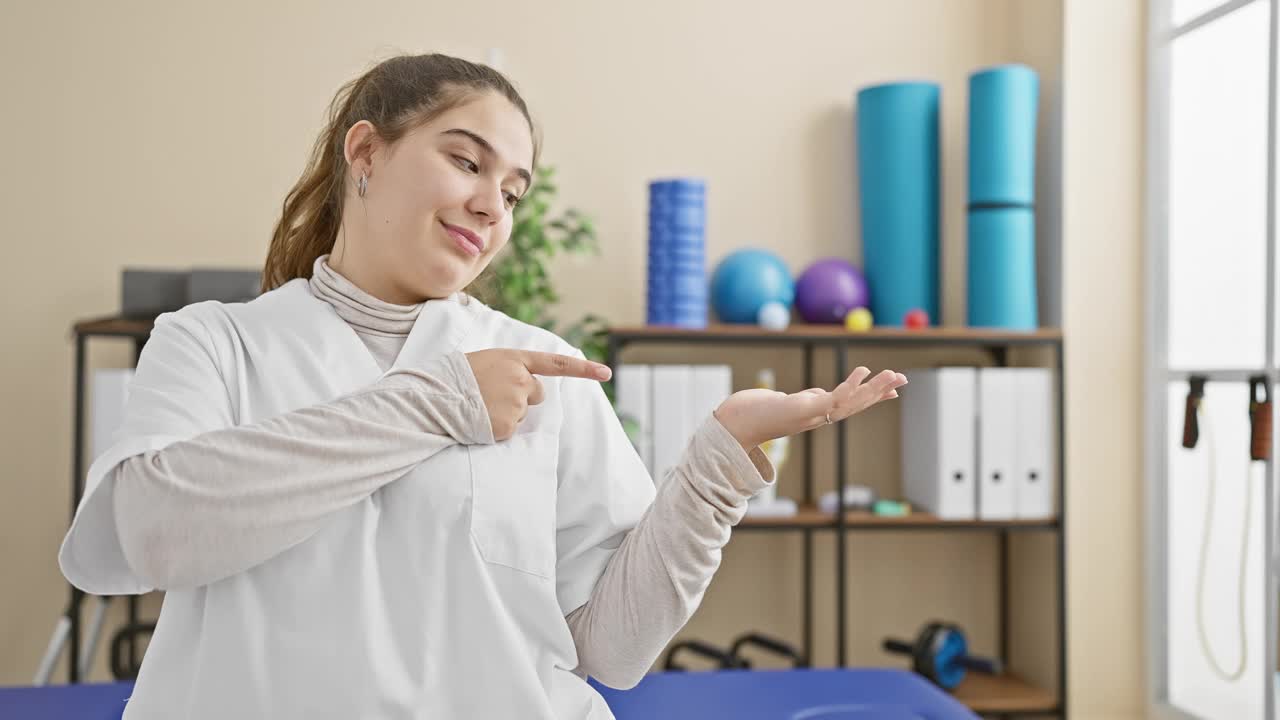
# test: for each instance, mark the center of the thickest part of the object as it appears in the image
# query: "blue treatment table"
(736, 694)
(87, 701)
(852, 694)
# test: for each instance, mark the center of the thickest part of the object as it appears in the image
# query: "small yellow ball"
(858, 320)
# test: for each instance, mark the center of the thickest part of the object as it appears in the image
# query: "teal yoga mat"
(897, 149)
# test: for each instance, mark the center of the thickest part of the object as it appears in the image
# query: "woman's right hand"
(509, 386)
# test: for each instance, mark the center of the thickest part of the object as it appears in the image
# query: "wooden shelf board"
(131, 327)
(114, 325)
(806, 516)
(811, 516)
(835, 332)
(862, 518)
(1002, 694)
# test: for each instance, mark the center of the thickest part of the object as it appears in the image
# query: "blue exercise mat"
(742, 695)
(88, 701)
(1002, 269)
(898, 194)
(867, 694)
(1003, 105)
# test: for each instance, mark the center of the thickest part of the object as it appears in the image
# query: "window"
(1211, 313)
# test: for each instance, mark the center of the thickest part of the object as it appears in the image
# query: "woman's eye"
(466, 164)
(512, 200)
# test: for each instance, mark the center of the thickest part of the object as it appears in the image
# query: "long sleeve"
(655, 580)
(224, 501)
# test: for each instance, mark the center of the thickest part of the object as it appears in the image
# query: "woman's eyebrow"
(488, 148)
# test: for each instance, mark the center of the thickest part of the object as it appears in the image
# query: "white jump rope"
(1235, 674)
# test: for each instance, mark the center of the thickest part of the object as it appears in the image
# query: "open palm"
(757, 415)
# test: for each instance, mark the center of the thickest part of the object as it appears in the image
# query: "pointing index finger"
(554, 364)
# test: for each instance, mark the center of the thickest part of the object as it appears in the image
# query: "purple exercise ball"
(828, 289)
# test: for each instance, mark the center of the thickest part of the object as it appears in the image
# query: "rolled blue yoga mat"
(897, 135)
(1002, 169)
(1002, 268)
(1002, 134)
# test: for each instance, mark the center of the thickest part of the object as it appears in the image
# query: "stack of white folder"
(978, 443)
(669, 402)
(109, 391)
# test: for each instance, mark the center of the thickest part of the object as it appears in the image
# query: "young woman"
(366, 494)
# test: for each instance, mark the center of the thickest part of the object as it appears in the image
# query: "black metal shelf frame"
(997, 347)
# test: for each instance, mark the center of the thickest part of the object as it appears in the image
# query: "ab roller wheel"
(941, 654)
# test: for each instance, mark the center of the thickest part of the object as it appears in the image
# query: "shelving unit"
(1000, 695)
(108, 327)
(1005, 694)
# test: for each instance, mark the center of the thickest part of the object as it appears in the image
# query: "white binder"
(938, 415)
(108, 394)
(633, 389)
(712, 384)
(672, 423)
(1035, 461)
(997, 443)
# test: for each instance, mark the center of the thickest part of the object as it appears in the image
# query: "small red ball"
(917, 319)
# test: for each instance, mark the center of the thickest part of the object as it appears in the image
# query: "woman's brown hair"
(396, 96)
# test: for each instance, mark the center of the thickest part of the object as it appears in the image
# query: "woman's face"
(438, 204)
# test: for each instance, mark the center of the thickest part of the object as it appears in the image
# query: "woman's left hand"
(757, 415)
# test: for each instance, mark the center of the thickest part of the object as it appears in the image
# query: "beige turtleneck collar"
(364, 312)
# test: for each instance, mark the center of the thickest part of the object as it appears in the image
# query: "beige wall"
(1104, 80)
(167, 134)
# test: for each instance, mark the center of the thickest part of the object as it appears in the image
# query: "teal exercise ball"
(745, 281)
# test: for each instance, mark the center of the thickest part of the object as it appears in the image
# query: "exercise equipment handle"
(1259, 418)
(990, 666)
(900, 647)
(724, 659)
(1190, 418)
(768, 643)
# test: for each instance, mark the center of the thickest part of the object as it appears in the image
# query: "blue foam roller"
(897, 134)
(661, 268)
(665, 197)
(686, 241)
(693, 256)
(678, 187)
(660, 274)
(688, 285)
(692, 259)
(666, 274)
(661, 202)
(678, 298)
(1002, 134)
(684, 284)
(1002, 269)
(660, 265)
(674, 262)
(685, 308)
(690, 217)
(691, 320)
(683, 313)
(678, 258)
(674, 238)
(678, 255)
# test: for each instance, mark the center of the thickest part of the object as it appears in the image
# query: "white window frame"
(1158, 375)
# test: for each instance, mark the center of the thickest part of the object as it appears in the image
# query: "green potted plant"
(519, 285)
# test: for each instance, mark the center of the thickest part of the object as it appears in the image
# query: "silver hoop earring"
(364, 184)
